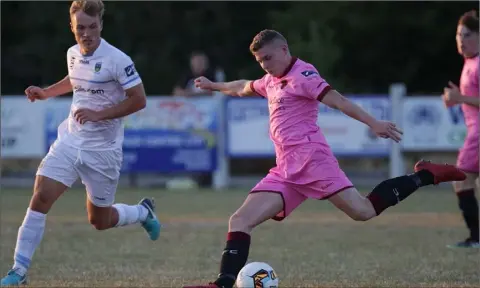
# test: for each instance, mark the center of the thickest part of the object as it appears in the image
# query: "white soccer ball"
(257, 275)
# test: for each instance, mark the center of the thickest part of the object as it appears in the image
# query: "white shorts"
(98, 170)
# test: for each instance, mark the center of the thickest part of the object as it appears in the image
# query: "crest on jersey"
(98, 66)
(309, 73)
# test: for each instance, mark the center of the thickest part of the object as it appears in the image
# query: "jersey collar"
(292, 62)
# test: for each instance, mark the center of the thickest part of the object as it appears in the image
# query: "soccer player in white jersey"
(105, 88)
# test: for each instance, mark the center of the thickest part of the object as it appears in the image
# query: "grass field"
(316, 247)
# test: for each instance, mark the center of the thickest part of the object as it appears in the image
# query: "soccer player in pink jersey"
(468, 97)
(306, 167)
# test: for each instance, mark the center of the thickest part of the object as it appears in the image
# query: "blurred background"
(361, 48)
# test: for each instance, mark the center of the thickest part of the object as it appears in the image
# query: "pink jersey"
(293, 107)
(469, 87)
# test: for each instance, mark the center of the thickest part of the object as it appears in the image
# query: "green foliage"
(359, 47)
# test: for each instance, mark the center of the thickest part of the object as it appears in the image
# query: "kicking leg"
(257, 208)
(30, 233)
(103, 215)
(468, 204)
(390, 192)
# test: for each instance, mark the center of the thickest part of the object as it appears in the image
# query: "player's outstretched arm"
(383, 129)
(240, 88)
(60, 88)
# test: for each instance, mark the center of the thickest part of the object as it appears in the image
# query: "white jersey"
(99, 81)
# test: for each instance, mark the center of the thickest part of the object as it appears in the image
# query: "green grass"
(317, 246)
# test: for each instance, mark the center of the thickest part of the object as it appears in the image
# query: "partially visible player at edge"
(105, 88)
(306, 167)
(468, 97)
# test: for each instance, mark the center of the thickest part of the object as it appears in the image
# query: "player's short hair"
(90, 7)
(469, 20)
(265, 37)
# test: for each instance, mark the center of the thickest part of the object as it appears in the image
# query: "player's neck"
(471, 56)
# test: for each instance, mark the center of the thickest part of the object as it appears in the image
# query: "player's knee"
(99, 224)
(362, 214)
(42, 200)
(239, 222)
(41, 197)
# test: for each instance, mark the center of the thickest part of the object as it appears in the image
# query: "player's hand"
(84, 115)
(386, 129)
(33, 93)
(451, 94)
(203, 83)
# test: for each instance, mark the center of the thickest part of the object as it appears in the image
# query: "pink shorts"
(332, 180)
(467, 159)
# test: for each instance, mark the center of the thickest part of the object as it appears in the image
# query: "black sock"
(234, 257)
(390, 192)
(469, 205)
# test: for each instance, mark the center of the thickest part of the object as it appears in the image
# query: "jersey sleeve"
(314, 86)
(259, 86)
(125, 73)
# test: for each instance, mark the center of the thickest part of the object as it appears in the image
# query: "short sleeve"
(126, 73)
(314, 86)
(259, 86)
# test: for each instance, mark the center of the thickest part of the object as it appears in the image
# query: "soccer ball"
(257, 275)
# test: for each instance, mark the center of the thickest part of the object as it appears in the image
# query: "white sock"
(130, 214)
(30, 235)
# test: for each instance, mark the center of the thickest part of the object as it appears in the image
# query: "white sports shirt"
(99, 81)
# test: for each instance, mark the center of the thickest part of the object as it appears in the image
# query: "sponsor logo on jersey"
(130, 70)
(80, 89)
(309, 73)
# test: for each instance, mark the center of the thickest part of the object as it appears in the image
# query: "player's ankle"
(19, 269)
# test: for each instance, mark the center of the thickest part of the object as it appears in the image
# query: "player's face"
(273, 59)
(467, 41)
(87, 30)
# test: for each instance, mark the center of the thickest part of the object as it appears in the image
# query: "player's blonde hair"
(90, 7)
(265, 37)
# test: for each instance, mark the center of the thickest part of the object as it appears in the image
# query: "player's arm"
(335, 100)
(384, 129)
(240, 88)
(473, 101)
(452, 95)
(136, 101)
(60, 88)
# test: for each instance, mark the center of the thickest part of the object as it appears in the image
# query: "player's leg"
(100, 172)
(468, 204)
(269, 199)
(468, 161)
(55, 174)
(392, 191)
